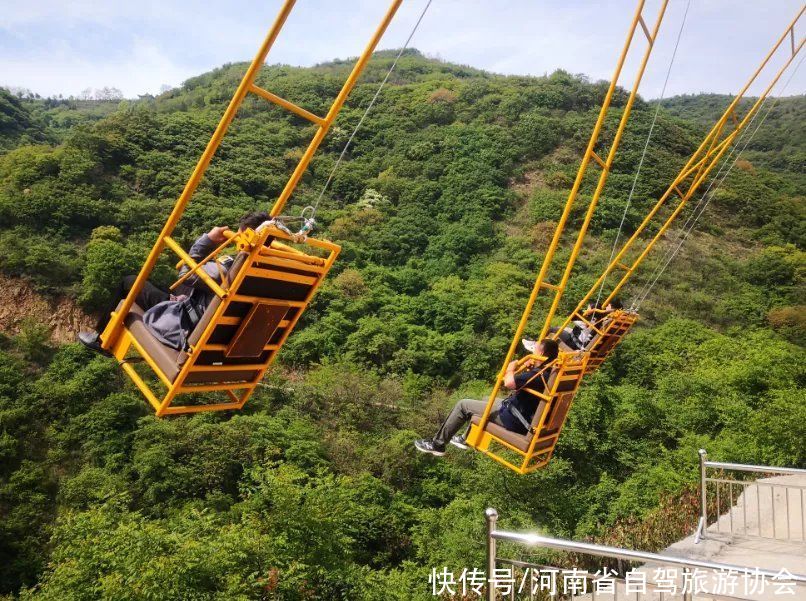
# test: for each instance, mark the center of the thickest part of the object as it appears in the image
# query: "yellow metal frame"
(238, 392)
(694, 172)
(570, 367)
(477, 437)
(114, 337)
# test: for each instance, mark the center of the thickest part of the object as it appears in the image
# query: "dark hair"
(253, 219)
(550, 349)
(616, 303)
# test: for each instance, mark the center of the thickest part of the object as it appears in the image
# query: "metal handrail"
(754, 468)
(702, 525)
(537, 540)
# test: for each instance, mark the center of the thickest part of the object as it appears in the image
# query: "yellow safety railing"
(113, 331)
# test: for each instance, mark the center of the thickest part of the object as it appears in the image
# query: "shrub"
(790, 322)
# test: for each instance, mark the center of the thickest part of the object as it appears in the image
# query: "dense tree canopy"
(443, 207)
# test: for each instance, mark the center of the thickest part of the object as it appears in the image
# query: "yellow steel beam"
(180, 409)
(702, 161)
(649, 37)
(195, 267)
(201, 263)
(222, 347)
(138, 381)
(215, 387)
(225, 368)
(599, 160)
(112, 331)
(289, 106)
(334, 109)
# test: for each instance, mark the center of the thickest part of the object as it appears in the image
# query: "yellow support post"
(194, 267)
(247, 84)
(589, 155)
(701, 163)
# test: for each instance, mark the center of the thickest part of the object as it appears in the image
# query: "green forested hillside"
(443, 207)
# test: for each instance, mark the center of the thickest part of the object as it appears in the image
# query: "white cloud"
(143, 70)
(158, 42)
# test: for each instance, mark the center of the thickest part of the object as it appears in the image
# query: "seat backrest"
(541, 406)
(233, 270)
(564, 382)
(612, 331)
(601, 330)
(261, 308)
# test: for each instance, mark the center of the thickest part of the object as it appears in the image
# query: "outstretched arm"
(202, 247)
(509, 376)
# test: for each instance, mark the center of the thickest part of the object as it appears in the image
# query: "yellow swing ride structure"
(266, 289)
(534, 449)
(275, 274)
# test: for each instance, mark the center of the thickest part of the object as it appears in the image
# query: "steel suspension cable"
(655, 272)
(707, 196)
(682, 234)
(644, 152)
(369, 107)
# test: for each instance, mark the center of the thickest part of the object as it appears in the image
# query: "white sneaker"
(529, 345)
(459, 441)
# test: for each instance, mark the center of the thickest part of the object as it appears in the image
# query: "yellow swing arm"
(638, 24)
(114, 330)
(695, 171)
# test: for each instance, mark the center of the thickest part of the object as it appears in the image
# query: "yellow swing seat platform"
(267, 288)
(607, 335)
(536, 447)
(613, 330)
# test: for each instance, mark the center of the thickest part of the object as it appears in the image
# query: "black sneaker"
(92, 341)
(426, 445)
(459, 441)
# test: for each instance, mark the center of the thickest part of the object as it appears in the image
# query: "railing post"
(703, 500)
(492, 519)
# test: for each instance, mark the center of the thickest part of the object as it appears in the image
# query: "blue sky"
(57, 46)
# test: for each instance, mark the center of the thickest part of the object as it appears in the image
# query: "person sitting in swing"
(580, 333)
(513, 413)
(172, 316)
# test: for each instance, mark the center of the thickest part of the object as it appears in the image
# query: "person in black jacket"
(513, 413)
(171, 316)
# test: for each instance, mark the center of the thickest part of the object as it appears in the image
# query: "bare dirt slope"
(20, 301)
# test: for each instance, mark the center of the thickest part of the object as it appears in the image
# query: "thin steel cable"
(696, 212)
(723, 163)
(696, 215)
(369, 108)
(646, 148)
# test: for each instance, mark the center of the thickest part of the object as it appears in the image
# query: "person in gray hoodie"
(172, 316)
